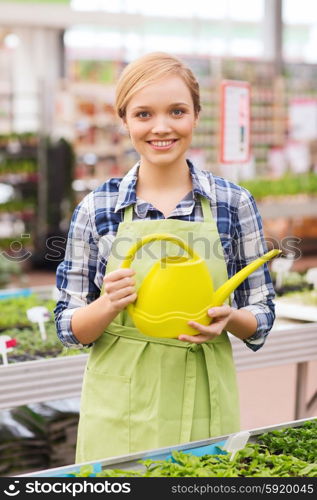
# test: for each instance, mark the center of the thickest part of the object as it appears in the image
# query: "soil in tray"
(31, 357)
(292, 288)
(31, 347)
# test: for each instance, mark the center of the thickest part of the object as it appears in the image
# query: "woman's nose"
(161, 126)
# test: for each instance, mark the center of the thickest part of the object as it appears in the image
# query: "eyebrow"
(170, 106)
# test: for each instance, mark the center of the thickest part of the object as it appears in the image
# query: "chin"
(165, 159)
(164, 162)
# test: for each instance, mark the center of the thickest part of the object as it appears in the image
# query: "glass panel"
(246, 10)
(201, 33)
(248, 47)
(211, 10)
(168, 27)
(299, 12)
(300, 30)
(95, 5)
(164, 43)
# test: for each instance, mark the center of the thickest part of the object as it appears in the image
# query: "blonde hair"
(149, 69)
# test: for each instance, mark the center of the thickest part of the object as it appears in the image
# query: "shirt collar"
(127, 187)
(201, 183)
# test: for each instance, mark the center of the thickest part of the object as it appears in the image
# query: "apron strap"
(211, 365)
(206, 209)
(189, 394)
(205, 206)
(128, 214)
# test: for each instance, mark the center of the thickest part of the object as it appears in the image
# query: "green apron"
(142, 392)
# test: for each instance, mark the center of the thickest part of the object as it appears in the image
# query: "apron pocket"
(105, 418)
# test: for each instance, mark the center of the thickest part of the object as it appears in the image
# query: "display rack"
(297, 206)
(6, 117)
(85, 115)
(85, 111)
(300, 80)
(19, 169)
(45, 380)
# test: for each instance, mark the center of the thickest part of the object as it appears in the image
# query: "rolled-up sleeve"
(75, 275)
(256, 293)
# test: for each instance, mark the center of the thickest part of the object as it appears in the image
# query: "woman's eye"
(178, 112)
(143, 114)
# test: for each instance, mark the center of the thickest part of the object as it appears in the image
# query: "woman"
(143, 392)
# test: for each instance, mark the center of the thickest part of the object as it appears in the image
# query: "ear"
(124, 123)
(124, 126)
(196, 120)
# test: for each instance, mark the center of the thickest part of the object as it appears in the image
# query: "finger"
(211, 331)
(204, 329)
(113, 286)
(119, 273)
(122, 303)
(194, 339)
(123, 292)
(219, 312)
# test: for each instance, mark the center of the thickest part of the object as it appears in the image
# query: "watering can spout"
(229, 286)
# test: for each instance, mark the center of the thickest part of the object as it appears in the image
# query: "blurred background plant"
(8, 269)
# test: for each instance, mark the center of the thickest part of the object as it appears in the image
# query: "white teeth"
(161, 144)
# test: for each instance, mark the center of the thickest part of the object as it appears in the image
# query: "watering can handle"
(154, 237)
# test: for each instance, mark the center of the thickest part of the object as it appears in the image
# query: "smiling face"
(160, 119)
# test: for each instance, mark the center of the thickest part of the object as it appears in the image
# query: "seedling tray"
(131, 462)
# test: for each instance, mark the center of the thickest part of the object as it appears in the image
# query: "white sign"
(303, 119)
(277, 161)
(297, 156)
(281, 267)
(235, 122)
(311, 276)
(40, 315)
(236, 442)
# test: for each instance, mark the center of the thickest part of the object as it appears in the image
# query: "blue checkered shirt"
(80, 275)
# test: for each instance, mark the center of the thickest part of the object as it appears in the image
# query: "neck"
(155, 177)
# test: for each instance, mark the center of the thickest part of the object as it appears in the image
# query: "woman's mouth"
(162, 145)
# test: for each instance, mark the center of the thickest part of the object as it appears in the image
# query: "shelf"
(290, 206)
(295, 311)
(51, 379)
(17, 178)
(284, 345)
(42, 380)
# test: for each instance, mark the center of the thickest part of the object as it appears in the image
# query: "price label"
(6, 345)
(39, 315)
(311, 276)
(281, 267)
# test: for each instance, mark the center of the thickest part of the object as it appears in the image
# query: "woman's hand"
(220, 315)
(120, 288)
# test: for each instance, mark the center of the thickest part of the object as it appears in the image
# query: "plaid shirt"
(94, 226)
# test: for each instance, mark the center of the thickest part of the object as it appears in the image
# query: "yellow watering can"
(178, 289)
